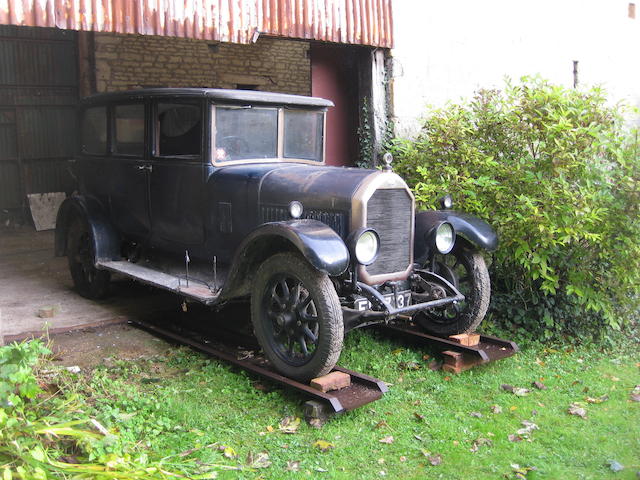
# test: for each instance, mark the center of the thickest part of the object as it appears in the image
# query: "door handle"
(148, 168)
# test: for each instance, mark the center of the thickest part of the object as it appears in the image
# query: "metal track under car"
(363, 389)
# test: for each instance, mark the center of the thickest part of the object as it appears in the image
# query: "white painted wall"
(445, 49)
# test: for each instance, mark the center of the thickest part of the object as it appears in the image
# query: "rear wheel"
(296, 317)
(88, 280)
(466, 269)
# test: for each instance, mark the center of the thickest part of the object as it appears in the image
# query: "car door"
(177, 180)
(128, 171)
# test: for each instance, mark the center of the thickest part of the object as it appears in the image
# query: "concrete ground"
(32, 278)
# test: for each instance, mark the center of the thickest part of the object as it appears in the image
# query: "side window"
(94, 130)
(129, 124)
(303, 135)
(179, 129)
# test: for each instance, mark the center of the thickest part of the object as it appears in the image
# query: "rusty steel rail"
(363, 390)
(488, 350)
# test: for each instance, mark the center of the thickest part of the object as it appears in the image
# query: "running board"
(195, 290)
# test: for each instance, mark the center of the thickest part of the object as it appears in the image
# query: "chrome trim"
(375, 181)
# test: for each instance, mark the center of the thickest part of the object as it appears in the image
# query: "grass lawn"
(171, 405)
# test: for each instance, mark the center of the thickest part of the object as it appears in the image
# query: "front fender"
(106, 241)
(318, 243)
(476, 231)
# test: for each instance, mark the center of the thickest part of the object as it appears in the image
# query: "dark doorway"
(38, 95)
(334, 76)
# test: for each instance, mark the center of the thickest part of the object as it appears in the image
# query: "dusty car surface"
(219, 195)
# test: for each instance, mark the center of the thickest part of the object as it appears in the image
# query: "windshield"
(303, 135)
(246, 133)
(267, 133)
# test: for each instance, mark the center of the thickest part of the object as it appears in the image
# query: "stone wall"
(133, 61)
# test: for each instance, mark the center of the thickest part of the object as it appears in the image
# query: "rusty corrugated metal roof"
(363, 22)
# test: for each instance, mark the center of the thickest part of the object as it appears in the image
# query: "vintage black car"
(220, 195)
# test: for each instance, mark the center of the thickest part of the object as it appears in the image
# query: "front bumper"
(383, 311)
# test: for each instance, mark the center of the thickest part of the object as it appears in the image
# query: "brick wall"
(133, 61)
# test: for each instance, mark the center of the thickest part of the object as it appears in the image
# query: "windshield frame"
(280, 158)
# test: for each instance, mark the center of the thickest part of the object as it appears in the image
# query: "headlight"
(445, 237)
(366, 249)
(295, 209)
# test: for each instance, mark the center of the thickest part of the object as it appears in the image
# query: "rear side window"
(129, 124)
(94, 130)
(179, 129)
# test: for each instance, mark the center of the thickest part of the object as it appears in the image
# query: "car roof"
(224, 95)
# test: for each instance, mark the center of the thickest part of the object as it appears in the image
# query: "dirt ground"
(93, 346)
(32, 278)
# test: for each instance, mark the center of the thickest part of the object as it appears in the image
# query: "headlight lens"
(295, 209)
(367, 247)
(445, 237)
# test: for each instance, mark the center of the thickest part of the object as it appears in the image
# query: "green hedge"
(556, 172)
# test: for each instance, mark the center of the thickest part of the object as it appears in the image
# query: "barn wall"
(132, 61)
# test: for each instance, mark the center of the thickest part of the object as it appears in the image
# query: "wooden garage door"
(38, 95)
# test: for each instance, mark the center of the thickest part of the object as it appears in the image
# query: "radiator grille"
(389, 212)
(336, 220)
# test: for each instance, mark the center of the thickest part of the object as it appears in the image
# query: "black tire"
(87, 279)
(296, 317)
(466, 269)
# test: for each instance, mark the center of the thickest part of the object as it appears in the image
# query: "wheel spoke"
(285, 288)
(294, 297)
(310, 334)
(303, 346)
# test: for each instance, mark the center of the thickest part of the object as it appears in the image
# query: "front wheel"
(467, 271)
(296, 317)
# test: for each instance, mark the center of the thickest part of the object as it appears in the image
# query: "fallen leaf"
(600, 399)
(293, 466)
(615, 466)
(397, 351)
(381, 424)
(426, 357)
(513, 408)
(323, 445)
(528, 428)
(418, 416)
(315, 423)
(228, 452)
(521, 472)
(447, 378)
(435, 460)
(388, 439)
(417, 403)
(320, 469)
(289, 424)
(258, 460)
(270, 428)
(403, 458)
(635, 397)
(496, 409)
(476, 414)
(507, 387)
(409, 365)
(539, 385)
(479, 442)
(418, 437)
(576, 409)
(515, 438)
(521, 392)
(380, 461)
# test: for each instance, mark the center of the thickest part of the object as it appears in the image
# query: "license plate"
(404, 299)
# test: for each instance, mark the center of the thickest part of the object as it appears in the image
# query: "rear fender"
(318, 243)
(106, 241)
(476, 231)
